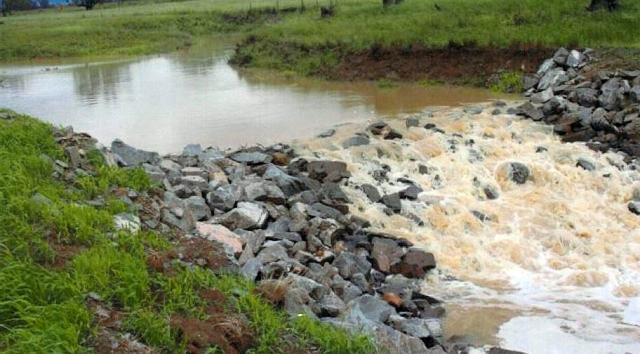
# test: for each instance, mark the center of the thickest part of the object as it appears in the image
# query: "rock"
(587, 97)
(552, 78)
(396, 342)
(327, 133)
(412, 122)
(560, 56)
(223, 198)
(473, 110)
(346, 290)
(195, 182)
(410, 193)
(415, 263)
(192, 150)
(554, 106)
(288, 184)
(221, 234)
(170, 167)
(609, 99)
(574, 59)
(316, 290)
(327, 171)
(194, 171)
(272, 253)
(634, 207)
(155, 173)
(368, 311)
(518, 172)
(491, 192)
(251, 268)
(529, 110)
(127, 221)
(385, 253)
(546, 66)
(198, 208)
(349, 264)
(542, 96)
(392, 201)
(634, 94)
(251, 158)
(330, 305)
(130, 156)
(264, 191)
(586, 164)
(357, 140)
(185, 223)
(246, 216)
(296, 302)
(371, 192)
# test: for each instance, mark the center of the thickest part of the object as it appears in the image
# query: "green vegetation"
(508, 82)
(146, 27)
(58, 254)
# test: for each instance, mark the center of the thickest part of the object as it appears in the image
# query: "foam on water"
(562, 249)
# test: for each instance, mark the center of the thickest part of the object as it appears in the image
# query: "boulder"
(587, 97)
(288, 184)
(415, 263)
(224, 197)
(610, 97)
(245, 216)
(634, 207)
(198, 207)
(386, 253)
(574, 59)
(586, 164)
(264, 191)
(192, 150)
(130, 156)
(327, 171)
(219, 233)
(368, 311)
(529, 110)
(371, 192)
(349, 264)
(251, 158)
(552, 78)
(392, 201)
(518, 172)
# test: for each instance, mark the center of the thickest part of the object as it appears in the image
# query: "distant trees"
(87, 4)
(7, 6)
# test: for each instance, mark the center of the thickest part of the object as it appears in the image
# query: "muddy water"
(162, 103)
(554, 265)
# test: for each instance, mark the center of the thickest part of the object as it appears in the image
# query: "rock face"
(598, 107)
(278, 219)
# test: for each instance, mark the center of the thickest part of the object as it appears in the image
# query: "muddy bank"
(457, 63)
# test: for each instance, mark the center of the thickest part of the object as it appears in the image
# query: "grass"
(147, 27)
(44, 292)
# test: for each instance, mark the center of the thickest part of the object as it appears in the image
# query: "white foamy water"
(560, 253)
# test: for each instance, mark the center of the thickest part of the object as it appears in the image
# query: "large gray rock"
(552, 78)
(329, 305)
(349, 264)
(224, 197)
(246, 216)
(346, 290)
(288, 184)
(392, 201)
(587, 97)
(415, 263)
(264, 191)
(371, 192)
(198, 207)
(251, 158)
(542, 96)
(368, 311)
(272, 253)
(575, 59)
(610, 98)
(192, 150)
(130, 156)
(529, 110)
(518, 172)
(195, 182)
(634, 94)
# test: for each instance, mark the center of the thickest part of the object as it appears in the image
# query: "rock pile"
(599, 107)
(284, 222)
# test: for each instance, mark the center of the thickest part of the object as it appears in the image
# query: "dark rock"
(518, 172)
(272, 253)
(392, 201)
(349, 264)
(610, 97)
(415, 263)
(634, 207)
(412, 122)
(224, 197)
(411, 192)
(327, 171)
(251, 268)
(371, 192)
(346, 290)
(552, 78)
(385, 253)
(491, 192)
(542, 96)
(368, 310)
(586, 164)
(634, 94)
(329, 305)
(288, 184)
(327, 133)
(264, 191)
(529, 110)
(198, 208)
(560, 56)
(357, 140)
(587, 97)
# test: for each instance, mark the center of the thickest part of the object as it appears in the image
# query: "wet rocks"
(585, 104)
(130, 156)
(245, 216)
(357, 140)
(518, 172)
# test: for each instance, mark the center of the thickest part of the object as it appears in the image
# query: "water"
(162, 103)
(555, 268)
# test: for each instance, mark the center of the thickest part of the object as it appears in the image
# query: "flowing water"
(163, 103)
(553, 267)
(550, 266)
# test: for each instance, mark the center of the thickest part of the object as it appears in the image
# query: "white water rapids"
(555, 263)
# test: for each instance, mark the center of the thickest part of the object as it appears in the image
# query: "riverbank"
(88, 264)
(492, 43)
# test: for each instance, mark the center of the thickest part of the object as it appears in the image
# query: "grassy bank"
(363, 36)
(70, 282)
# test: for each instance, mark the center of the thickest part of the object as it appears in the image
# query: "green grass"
(43, 302)
(148, 27)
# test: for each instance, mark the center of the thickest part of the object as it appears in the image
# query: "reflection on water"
(165, 102)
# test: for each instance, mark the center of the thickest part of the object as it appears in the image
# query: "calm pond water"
(164, 102)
